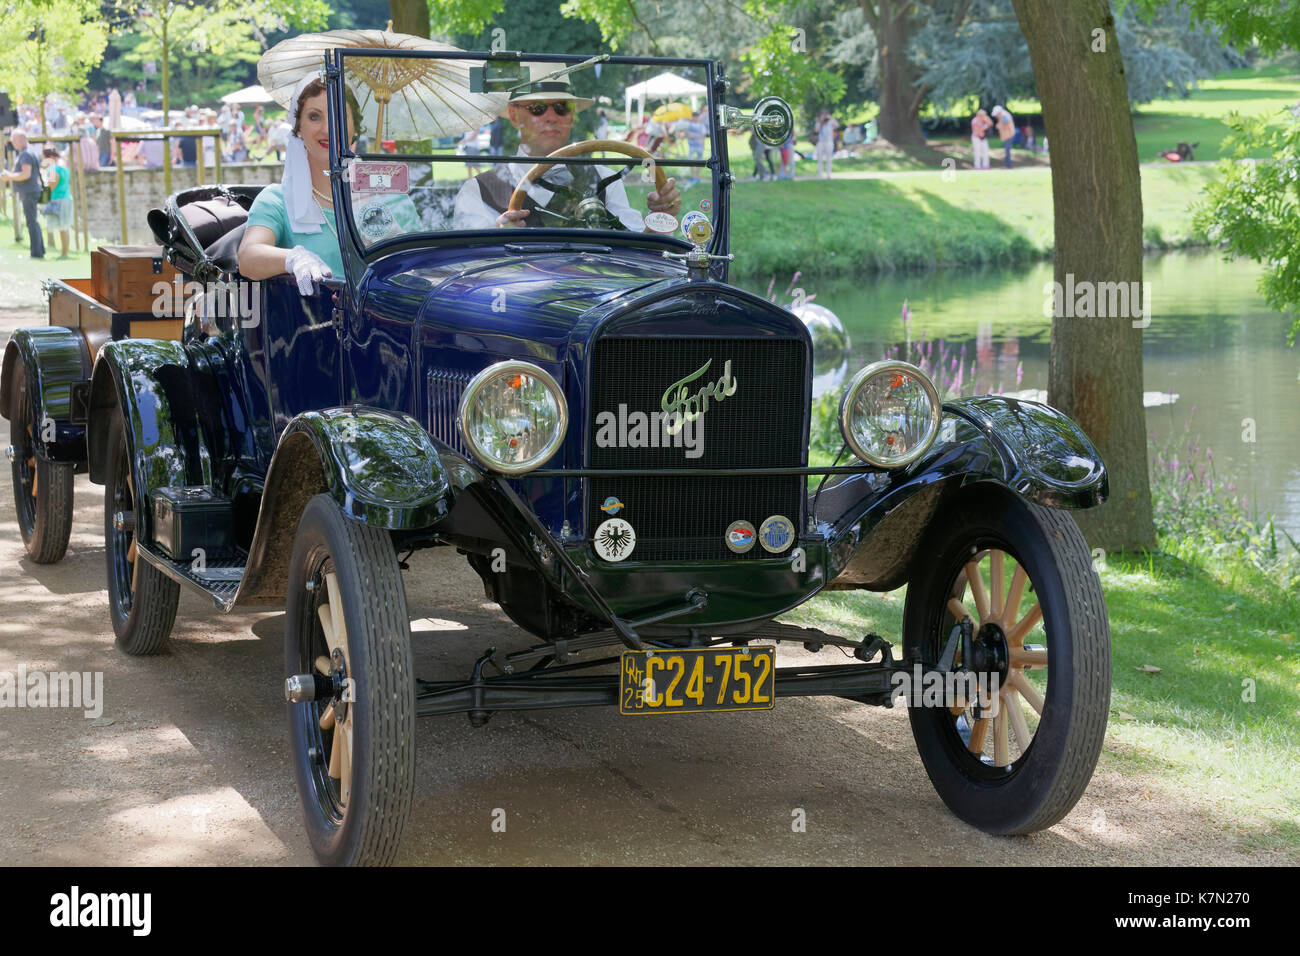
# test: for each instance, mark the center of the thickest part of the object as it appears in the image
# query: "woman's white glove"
(306, 267)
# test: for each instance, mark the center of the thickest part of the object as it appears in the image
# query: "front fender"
(54, 360)
(381, 467)
(150, 382)
(1044, 455)
(874, 522)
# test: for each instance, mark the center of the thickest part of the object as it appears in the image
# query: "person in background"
(760, 153)
(496, 136)
(980, 125)
(787, 158)
(468, 146)
(602, 125)
(26, 177)
(103, 140)
(697, 131)
(58, 211)
(824, 135)
(1007, 131)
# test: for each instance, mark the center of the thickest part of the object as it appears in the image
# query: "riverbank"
(928, 220)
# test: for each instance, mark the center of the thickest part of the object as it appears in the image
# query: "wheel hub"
(989, 652)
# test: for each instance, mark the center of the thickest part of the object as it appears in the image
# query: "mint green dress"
(379, 217)
(269, 210)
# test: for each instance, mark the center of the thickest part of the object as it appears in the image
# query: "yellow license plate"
(697, 680)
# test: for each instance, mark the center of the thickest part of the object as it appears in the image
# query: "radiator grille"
(760, 425)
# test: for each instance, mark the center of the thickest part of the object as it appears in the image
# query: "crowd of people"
(41, 177)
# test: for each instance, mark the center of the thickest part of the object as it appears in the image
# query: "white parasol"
(400, 97)
(249, 94)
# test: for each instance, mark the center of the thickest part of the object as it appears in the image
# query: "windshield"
(445, 144)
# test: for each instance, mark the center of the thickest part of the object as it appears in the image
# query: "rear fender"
(150, 382)
(381, 467)
(56, 364)
(874, 522)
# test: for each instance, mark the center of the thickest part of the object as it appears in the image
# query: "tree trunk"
(1095, 374)
(893, 22)
(410, 16)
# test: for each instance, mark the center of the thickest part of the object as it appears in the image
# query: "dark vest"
(496, 193)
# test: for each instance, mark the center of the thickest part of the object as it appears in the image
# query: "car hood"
(494, 292)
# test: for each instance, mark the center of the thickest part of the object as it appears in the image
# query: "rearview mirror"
(497, 77)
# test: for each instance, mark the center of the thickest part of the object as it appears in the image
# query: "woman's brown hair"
(317, 87)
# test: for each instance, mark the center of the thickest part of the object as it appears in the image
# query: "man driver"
(543, 114)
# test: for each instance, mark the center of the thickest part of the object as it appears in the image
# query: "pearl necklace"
(322, 196)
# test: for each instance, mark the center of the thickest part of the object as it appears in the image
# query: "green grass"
(21, 276)
(927, 219)
(1186, 730)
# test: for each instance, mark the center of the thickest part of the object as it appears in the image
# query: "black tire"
(42, 489)
(1049, 774)
(141, 599)
(362, 826)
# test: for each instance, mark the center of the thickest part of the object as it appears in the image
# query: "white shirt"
(471, 212)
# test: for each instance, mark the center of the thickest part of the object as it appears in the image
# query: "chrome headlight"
(513, 417)
(889, 414)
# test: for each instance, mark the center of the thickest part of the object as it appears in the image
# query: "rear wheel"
(141, 599)
(42, 488)
(353, 747)
(1023, 574)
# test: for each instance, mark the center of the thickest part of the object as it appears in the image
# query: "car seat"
(201, 228)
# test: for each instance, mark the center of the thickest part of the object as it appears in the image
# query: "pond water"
(1214, 353)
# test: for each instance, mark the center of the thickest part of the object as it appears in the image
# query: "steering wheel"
(578, 149)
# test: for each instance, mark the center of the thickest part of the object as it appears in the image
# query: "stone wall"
(144, 191)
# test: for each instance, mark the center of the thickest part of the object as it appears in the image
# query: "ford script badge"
(740, 536)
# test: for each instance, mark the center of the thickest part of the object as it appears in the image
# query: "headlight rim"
(927, 385)
(476, 383)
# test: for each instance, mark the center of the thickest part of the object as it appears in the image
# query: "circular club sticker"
(776, 534)
(660, 222)
(614, 539)
(376, 222)
(740, 536)
(706, 205)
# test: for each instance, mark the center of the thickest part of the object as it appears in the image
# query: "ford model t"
(614, 437)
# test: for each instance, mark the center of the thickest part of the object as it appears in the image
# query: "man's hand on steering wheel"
(668, 199)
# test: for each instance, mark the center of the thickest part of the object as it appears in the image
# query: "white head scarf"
(304, 214)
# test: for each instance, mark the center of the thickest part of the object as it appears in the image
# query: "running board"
(219, 580)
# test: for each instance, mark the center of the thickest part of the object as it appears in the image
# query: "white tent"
(665, 86)
(249, 94)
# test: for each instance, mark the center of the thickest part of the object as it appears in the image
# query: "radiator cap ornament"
(614, 539)
(776, 534)
(740, 536)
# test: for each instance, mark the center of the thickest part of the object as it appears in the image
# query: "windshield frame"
(357, 254)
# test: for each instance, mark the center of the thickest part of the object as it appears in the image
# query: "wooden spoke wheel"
(354, 751)
(1023, 574)
(42, 488)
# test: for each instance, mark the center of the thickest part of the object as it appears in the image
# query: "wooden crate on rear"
(123, 277)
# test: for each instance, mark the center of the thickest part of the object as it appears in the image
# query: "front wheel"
(353, 746)
(1023, 574)
(42, 488)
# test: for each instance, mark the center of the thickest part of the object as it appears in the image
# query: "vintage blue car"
(614, 437)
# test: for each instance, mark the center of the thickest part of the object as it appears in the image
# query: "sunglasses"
(539, 109)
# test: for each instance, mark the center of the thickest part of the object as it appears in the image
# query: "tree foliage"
(1254, 208)
(52, 46)
(1164, 52)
